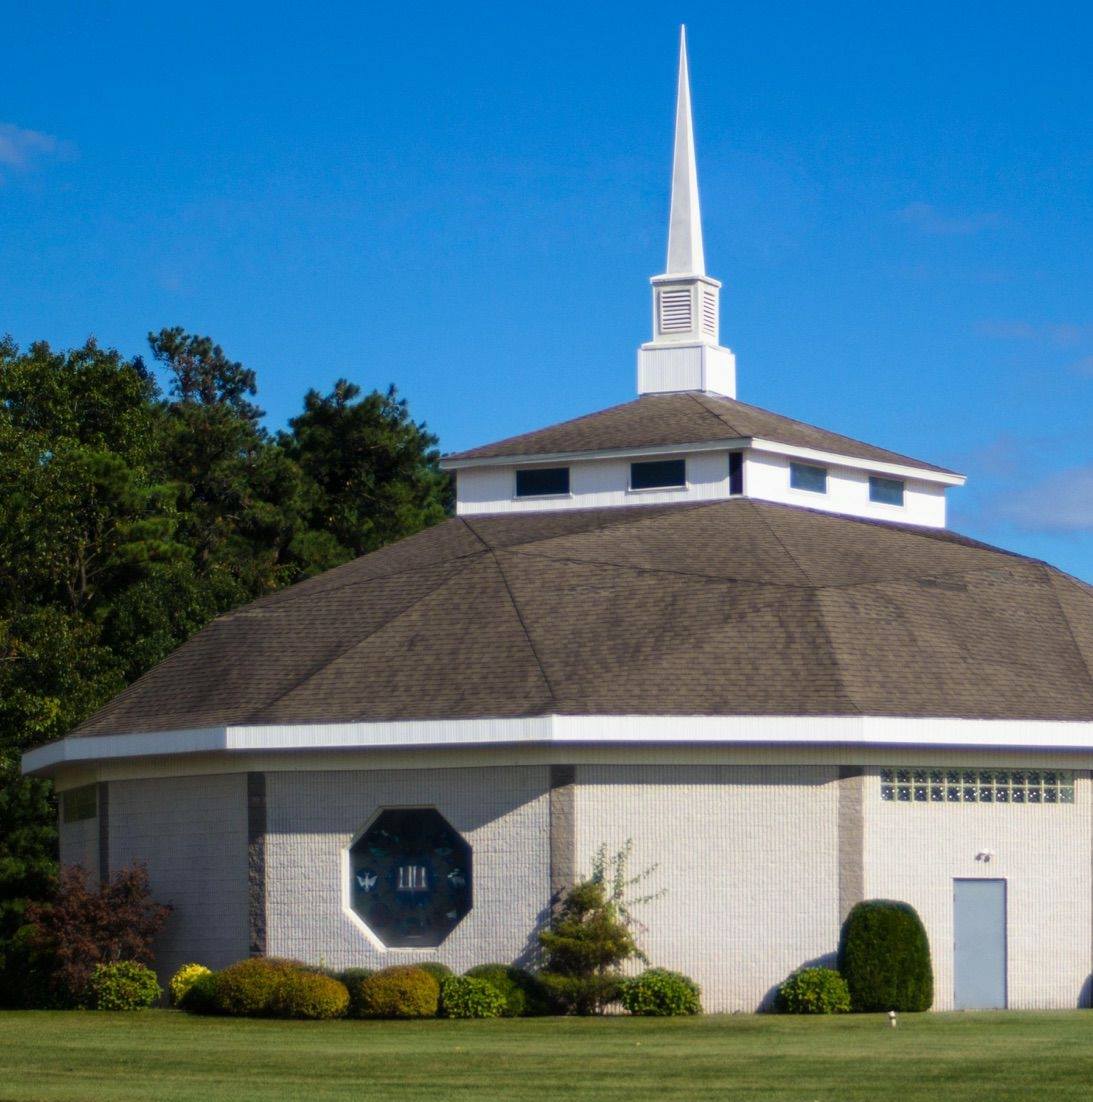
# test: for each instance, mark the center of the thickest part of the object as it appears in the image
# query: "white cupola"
(684, 353)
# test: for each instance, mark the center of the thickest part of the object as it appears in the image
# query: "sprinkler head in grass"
(892, 1018)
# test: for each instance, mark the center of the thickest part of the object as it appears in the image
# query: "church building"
(747, 644)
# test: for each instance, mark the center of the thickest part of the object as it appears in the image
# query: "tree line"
(132, 514)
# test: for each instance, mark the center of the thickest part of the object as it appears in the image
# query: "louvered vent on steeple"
(709, 312)
(675, 310)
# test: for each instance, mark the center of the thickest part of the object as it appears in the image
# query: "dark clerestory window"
(658, 474)
(888, 491)
(804, 476)
(736, 472)
(79, 803)
(542, 482)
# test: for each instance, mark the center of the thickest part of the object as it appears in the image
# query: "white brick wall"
(747, 853)
(192, 833)
(313, 817)
(747, 856)
(79, 842)
(913, 851)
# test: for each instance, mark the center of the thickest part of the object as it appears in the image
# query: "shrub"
(588, 939)
(122, 985)
(249, 988)
(85, 925)
(184, 979)
(402, 991)
(884, 955)
(467, 997)
(814, 991)
(200, 997)
(438, 971)
(657, 992)
(309, 995)
(352, 978)
(522, 992)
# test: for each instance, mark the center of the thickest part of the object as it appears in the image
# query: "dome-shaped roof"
(734, 608)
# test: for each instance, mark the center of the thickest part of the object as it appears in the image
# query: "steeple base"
(666, 368)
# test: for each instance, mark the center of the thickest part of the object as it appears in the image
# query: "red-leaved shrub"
(86, 924)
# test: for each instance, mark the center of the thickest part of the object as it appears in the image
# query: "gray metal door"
(979, 957)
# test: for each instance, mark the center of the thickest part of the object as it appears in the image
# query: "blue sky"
(468, 200)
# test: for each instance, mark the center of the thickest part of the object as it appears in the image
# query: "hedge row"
(267, 987)
(884, 964)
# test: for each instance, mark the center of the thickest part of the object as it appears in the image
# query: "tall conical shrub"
(884, 956)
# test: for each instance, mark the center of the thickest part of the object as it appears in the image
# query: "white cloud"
(927, 219)
(1061, 502)
(1060, 334)
(23, 149)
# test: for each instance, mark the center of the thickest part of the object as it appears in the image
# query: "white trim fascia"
(563, 731)
(732, 443)
(729, 443)
(836, 459)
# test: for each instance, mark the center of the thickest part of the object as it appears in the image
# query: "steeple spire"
(685, 255)
(684, 353)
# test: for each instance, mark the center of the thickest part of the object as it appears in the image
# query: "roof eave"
(552, 729)
(728, 443)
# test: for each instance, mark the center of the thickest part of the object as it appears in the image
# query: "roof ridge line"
(524, 628)
(287, 597)
(532, 432)
(470, 528)
(1047, 570)
(816, 594)
(914, 460)
(352, 646)
(781, 543)
(717, 416)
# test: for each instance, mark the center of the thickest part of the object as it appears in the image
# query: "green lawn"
(169, 1057)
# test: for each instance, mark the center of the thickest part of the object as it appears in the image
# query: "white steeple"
(684, 353)
(685, 255)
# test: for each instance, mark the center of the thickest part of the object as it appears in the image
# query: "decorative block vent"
(977, 786)
(675, 310)
(709, 312)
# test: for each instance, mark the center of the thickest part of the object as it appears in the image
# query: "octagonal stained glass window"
(410, 877)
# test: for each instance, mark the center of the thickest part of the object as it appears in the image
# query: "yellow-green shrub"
(122, 985)
(249, 988)
(309, 995)
(467, 997)
(200, 997)
(184, 979)
(399, 992)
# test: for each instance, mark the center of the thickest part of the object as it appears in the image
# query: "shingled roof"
(739, 607)
(682, 418)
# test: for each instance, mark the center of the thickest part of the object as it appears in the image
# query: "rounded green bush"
(814, 991)
(403, 991)
(184, 979)
(200, 996)
(438, 971)
(884, 956)
(523, 993)
(661, 993)
(467, 997)
(353, 978)
(123, 985)
(309, 995)
(249, 988)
